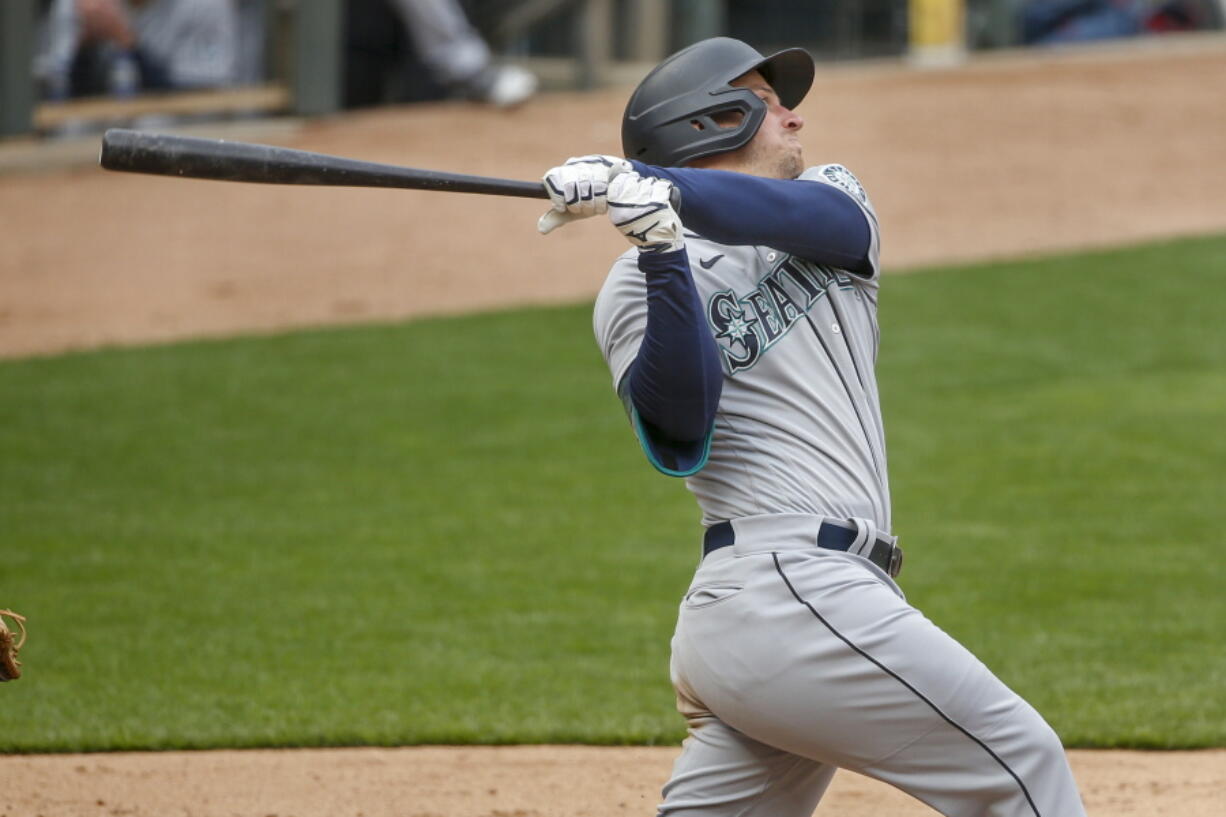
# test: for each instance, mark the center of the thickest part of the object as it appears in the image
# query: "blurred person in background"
(386, 40)
(1053, 22)
(124, 47)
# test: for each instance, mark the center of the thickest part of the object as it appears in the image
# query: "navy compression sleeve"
(806, 219)
(676, 378)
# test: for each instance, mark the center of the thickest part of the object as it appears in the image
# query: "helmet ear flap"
(706, 123)
(728, 116)
(727, 126)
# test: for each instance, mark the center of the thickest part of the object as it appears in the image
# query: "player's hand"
(639, 207)
(578, 189)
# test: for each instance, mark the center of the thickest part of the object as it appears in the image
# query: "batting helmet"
(669, 118)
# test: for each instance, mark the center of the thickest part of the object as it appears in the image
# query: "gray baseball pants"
(790, 662)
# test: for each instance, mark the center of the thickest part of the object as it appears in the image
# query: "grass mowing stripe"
(443, 531)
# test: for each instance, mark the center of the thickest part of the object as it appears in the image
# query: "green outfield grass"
(443, 532)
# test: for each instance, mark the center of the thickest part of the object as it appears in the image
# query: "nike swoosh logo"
(707, 263)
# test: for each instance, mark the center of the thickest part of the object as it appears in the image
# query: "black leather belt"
(832, 535)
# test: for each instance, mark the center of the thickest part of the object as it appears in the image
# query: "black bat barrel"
(222, 160)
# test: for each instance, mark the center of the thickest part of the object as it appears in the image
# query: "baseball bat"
(191, 157)
(223, 160)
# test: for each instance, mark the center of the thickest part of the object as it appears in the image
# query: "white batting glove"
(578, 189)
(639, 207)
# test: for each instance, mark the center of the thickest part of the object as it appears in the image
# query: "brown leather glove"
(10, 667)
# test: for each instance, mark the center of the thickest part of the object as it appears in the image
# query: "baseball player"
(741, 332)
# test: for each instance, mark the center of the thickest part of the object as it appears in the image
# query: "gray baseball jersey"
(790, 436)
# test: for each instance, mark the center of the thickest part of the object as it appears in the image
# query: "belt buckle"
(895, 561)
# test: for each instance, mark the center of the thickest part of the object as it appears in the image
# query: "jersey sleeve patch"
(845, 180)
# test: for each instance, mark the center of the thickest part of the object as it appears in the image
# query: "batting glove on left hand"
(578, 189)
(640, 206)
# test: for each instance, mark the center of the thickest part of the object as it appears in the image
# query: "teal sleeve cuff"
(669, 457)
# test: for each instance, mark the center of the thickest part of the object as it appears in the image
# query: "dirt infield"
(526, 781)
(1007, 157)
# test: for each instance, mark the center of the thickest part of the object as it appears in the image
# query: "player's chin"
(792, 165)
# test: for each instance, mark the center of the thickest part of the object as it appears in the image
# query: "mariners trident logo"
(747, 326)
